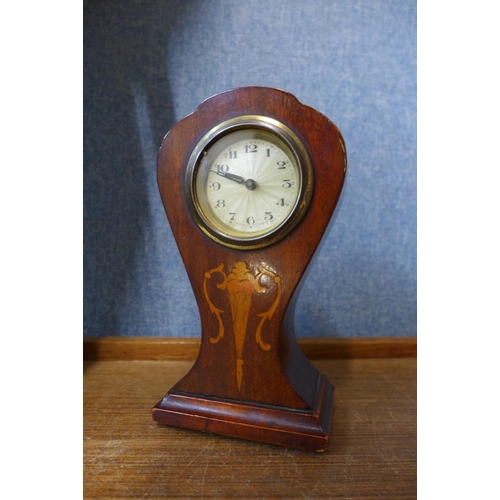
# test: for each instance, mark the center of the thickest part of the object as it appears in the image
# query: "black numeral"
(215, 186)
(281, 165)
(232, 215)
(269, 216)
(220, 204)
(233, 154)
(251, 148)
(251, 221)
(286, 183)
(281, 202)
(222, 169)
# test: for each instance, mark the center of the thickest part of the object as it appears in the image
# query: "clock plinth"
(306, 430)
(248, 210)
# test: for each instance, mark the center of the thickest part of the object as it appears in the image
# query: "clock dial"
(251, 186)
(247, 185)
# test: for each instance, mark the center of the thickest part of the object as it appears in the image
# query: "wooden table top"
(372, 451)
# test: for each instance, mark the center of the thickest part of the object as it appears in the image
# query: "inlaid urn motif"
(241, 284)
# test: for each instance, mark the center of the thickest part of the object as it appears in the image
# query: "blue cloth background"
(147, 64)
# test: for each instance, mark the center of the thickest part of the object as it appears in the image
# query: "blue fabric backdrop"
(147, 64)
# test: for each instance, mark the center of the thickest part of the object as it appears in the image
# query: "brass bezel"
(302, 158)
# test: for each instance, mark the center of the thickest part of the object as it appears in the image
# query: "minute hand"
(231, 177)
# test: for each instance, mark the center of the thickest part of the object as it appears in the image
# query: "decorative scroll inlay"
(240, 285)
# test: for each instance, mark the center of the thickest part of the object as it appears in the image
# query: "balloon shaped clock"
(249, 183)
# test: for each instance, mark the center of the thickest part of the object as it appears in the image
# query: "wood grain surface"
(372, 451)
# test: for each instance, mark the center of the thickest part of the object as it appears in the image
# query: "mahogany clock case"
(250, 379)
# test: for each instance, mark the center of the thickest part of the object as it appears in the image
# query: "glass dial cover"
(249, 182)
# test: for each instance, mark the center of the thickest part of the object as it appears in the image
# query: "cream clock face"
(247, 185)
(251, 186)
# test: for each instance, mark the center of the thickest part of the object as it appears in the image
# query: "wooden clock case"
(251, 380)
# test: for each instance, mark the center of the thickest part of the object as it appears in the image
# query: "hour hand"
(231, 177)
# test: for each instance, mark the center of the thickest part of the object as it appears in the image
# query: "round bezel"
(215, 141)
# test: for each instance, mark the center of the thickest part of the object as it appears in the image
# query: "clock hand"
(231, 177)
(250, 184)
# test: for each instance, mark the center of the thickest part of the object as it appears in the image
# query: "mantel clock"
(249, 183)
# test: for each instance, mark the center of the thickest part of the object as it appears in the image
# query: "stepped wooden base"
(305, 430)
